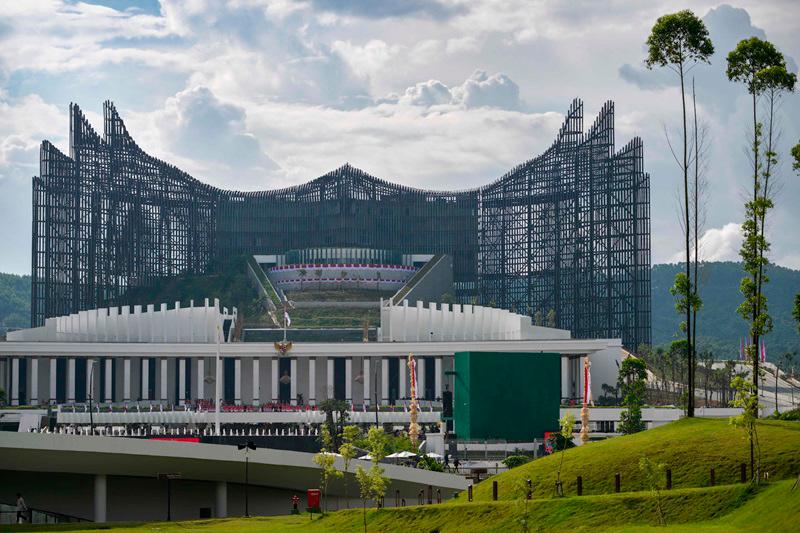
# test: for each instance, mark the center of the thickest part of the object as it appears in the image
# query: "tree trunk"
(690, 402)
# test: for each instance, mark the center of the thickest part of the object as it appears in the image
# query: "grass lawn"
(690, 447)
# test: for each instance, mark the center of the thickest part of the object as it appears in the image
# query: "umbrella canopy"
(367, 457)
(433, 455)
(401, 455)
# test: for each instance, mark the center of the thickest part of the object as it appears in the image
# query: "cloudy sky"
(255, 94)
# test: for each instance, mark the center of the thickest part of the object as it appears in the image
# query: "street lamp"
(246, 447)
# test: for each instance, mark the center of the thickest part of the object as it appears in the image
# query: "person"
(22, 510)
(456, 462)
(446, 461)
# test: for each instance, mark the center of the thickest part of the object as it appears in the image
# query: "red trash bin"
(312, 496)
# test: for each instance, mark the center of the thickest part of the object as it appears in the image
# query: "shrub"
(513, 461)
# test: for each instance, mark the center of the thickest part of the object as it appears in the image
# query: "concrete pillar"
(53, 379)
(401, 386)
(256, 381)
(33, 397)
(90, 380)
(201, 378)
(348, 379)
(329, 379)
(181, 381)
(385, 381)
(145, 379)
(109, 377)
(222, 500)
(367, 381)
(438, 371)
(71, 380)
(312, 380)
(15, 381)
(237, 381)
(274, 379)
(163, 380)
(100, 497)
(421, 377)
(293, 383)
(126, 380)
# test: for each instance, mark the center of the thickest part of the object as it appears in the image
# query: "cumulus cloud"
(717, 244)
(479, 90)
(377, 10)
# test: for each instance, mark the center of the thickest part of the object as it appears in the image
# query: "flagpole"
(217, 378)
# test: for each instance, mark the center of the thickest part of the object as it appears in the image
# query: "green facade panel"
(506, 395)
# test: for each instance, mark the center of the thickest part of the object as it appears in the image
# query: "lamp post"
(217, 378)
(246, 447)
(91, 394)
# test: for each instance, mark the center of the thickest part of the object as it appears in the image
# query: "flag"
(286, 319)
(587, 383)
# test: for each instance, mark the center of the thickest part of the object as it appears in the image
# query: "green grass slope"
(690, 447)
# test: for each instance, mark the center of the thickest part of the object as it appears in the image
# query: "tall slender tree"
(762, 69)
(679, 41)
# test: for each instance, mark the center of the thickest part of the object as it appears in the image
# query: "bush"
(792, 416)
(513, 461)
(429, 463)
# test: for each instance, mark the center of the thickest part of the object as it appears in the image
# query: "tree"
(751, 63)
(551, 318)
(348, 452)
(343, 274)
(679, 41)
(796, 310)
(746, 398)
(566, 427)
(337, 413)
(318, 274)
(372, 482)
(707, 358)
(653, 474)
(537, 318)
(302, 273)
(632, 376)
(786, 363)
(326, 461)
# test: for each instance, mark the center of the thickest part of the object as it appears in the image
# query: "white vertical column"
(329, 389)
(293, 382)
(221, 500)
(145, 378)
(90, 379)
(71, 380)
(126, 380)
(385, 380)
(566, 370)
(274, 379)
(256, 381)
(348, 379)
(100, 498)
(421, 378)
(53, 379)
(401, 375)
(15, 381)
(164, 379)
(366, 380)
(181, 381)
(201, 378)
(33, 397)
(109, 380)
(312, 380)
(237, 381)
(438, 378)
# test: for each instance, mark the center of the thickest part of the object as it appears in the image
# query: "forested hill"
(720, 327)
(15, 302)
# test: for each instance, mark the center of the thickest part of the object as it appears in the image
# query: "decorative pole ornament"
(283, 347)
(413, 427)
(587, 397)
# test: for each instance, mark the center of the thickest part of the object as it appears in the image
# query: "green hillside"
(15, 302)
(720, 327)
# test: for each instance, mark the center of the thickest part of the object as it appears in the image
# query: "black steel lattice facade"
(568, 230)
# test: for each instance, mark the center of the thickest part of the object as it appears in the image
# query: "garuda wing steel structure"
(566, 234)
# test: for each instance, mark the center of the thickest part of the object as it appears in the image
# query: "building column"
(366, 374)
(348, 379)
(312, 380)
(100, 497)
(293, 382)
(421, 377)
(164, 379)
(109, 380)
(222, 500)
(15, 381)
(274, 379)
(256, 381)
(53, 379)
(401, 374)
(237, 381)
(126, 380)
(329, 387)
(145, 379)
(385, 381)
(438, 378)
(181, 370)
(33, 397)
(71, 381)
(90, 379)
(201, 378)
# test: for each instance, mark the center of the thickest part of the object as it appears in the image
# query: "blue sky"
(253, 94)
